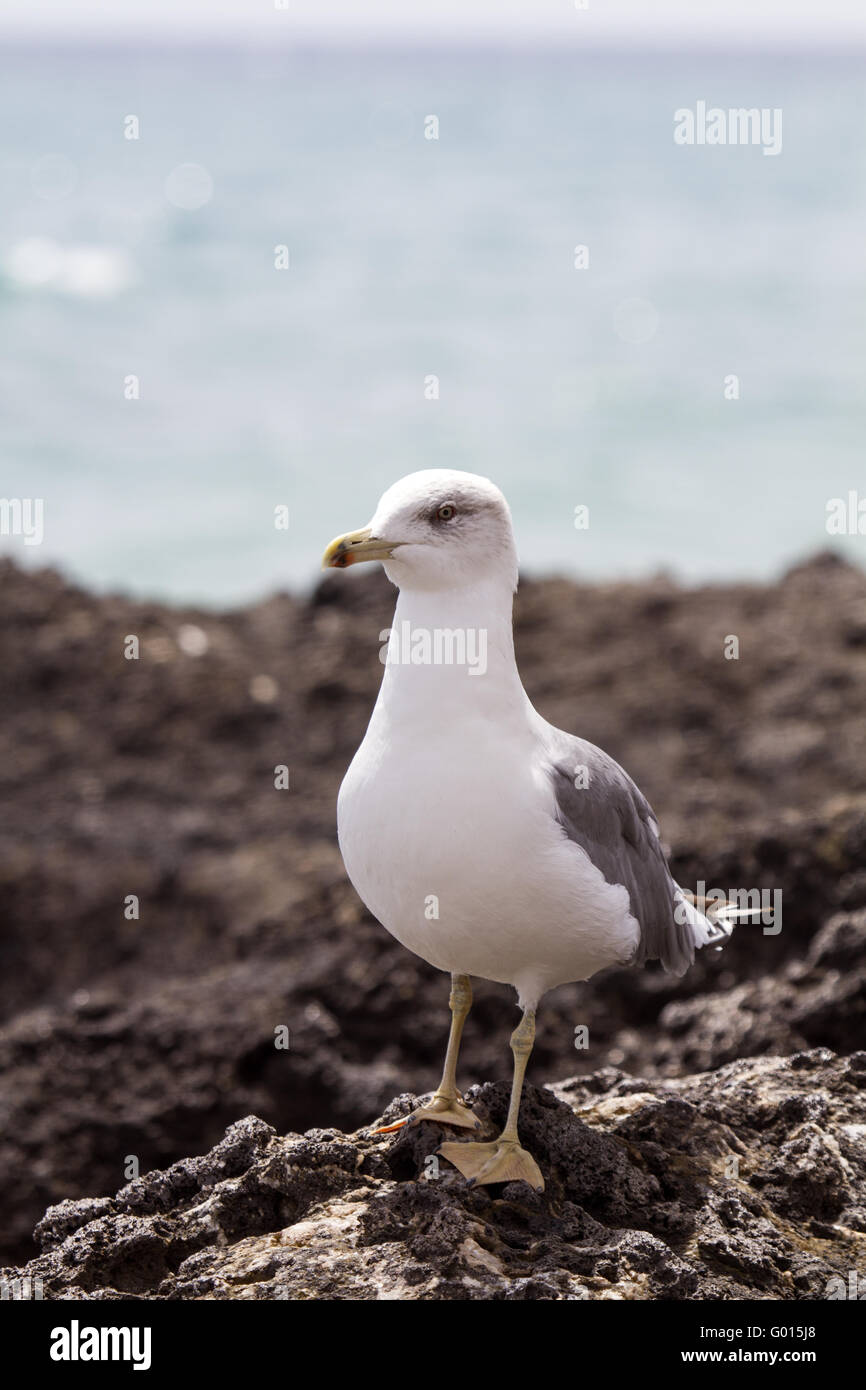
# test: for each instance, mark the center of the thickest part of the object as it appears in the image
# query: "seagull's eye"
(445, 512)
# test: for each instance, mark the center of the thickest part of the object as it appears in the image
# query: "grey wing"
(601, 809)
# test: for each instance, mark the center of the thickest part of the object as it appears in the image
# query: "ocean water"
(409, 258)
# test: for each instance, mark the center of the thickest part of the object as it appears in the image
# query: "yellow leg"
(447, 1107)
(503, 1160)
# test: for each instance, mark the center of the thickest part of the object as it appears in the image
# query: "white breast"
(448, 834)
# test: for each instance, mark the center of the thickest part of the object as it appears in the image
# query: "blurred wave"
(38, 263)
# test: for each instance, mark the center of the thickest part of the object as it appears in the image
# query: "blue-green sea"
(165, 386)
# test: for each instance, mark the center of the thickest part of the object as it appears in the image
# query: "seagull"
(487, 841)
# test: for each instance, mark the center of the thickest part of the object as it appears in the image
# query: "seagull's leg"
(503, 1160)
(447, 1106)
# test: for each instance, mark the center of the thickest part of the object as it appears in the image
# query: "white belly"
(460, 859)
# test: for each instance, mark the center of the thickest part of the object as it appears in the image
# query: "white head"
(437, 529)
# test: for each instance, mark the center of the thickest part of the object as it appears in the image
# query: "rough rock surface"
(748, 1182)
(155, 777)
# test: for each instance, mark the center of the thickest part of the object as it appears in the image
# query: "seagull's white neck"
(451, 652)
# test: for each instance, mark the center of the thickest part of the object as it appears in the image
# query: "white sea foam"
(38, 263)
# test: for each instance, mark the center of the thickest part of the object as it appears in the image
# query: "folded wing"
(603, 812)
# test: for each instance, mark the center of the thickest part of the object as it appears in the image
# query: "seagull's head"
(438, 529)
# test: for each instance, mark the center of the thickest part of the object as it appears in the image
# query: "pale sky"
(778, 23)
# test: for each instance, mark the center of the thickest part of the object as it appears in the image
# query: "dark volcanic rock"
(820, 999)
(744, 1183)
(143, 1038)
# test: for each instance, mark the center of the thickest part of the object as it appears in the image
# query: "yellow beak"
(355, 547)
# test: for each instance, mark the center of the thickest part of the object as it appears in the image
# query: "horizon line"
(721, 44)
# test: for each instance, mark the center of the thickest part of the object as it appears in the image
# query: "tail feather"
(713, 925)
